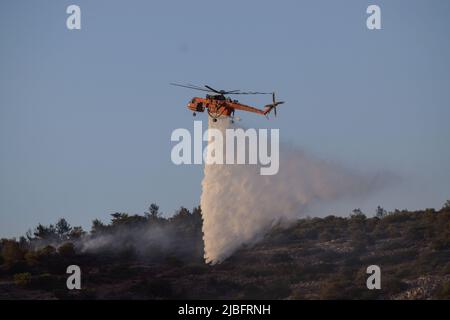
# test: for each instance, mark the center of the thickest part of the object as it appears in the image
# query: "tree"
(357, 213)
(119, 218)
(122, 219)
(97, 226)
(23, 243)
(45, 233)
(380, 212)
(153, 211)
(29, 235)
(197, 215)
(63, 228)
(76, 233)
(181, 215)
(446, 205)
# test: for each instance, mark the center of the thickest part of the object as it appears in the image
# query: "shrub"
(67, 249)
(277, 289)
(11, 252)
(22, 279)
(46, 281)
(441, 242)
(281, 257)
(196, 269)
(50, 260)
(256, 272)
(307, 234)
(31, 258)
(173, 261)
(333, 289)
(393, 285)
(46, 254)
(444, 291)
(47, 251)
(85, 294)
(159, 288)
(326, 235)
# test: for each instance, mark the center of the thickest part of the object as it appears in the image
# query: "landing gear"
(194, 114)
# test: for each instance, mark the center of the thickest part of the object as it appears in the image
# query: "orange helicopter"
(217, 104)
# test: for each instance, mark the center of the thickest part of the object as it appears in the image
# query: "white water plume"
(239, 205)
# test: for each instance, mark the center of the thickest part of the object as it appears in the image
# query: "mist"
(142, 241)
(150, 237)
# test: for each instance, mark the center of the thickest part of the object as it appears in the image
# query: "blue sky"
(86, 116)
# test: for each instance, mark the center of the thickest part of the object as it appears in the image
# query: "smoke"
(150, 240)
(239, 205)
(148, 237)
(147, 241)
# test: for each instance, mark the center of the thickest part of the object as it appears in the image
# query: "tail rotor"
(273, 106)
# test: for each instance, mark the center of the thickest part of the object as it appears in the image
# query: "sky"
(86, 115)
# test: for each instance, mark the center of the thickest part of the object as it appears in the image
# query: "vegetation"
(22, 279)
(151, 257)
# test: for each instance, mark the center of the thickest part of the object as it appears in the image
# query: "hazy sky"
(86, 116)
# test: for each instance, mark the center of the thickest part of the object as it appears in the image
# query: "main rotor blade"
(250, 92)
(222, 91)
(190, 87)
(195, 86)
(212, 89)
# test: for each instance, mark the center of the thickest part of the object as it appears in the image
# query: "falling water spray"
(239, 205)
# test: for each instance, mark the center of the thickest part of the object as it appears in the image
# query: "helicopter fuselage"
(219, 105)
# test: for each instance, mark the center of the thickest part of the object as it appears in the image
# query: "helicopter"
(217, 104)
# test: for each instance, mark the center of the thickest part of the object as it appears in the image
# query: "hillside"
(318, 258)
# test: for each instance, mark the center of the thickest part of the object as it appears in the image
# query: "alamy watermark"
(374, 280)
(73, 22)
(74, 280)
(373, 22)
